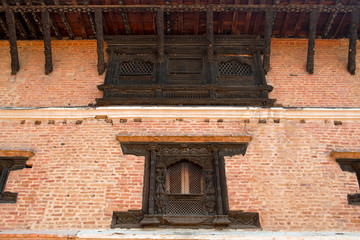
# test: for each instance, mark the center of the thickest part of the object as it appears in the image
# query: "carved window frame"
(11, 161)
(159, 155)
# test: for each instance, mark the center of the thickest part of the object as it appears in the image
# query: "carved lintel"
(45, 20)
(100, 41)
(240, 219)
(10, 20)
(314, 16)
(352, 41)
(130, 218)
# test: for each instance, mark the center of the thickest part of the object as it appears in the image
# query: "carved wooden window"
(8, 164)
(234, 68)
(134, 68)
(184, 184)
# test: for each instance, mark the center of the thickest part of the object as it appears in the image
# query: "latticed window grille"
(185, 188)
(234, 68)
(136, 68)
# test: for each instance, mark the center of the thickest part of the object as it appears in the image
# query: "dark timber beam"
(161, 45)
(185, 8)
(20, 28)
(65, 21)
(100, 41)
(352, 43)
(27, 22)
(248, 19)
(91, 19)
(3, 26)
(34, 16)
(269, 22)
(10, 20)
(299, 24)
(234, 26)
(53, 23)
(330, 22)
(314, 16)
(45, 20)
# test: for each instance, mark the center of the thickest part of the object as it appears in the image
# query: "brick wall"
(74, 79)
(80, 176)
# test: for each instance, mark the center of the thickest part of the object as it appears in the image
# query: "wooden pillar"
(269, 19)
(219, 205)
(314, 16)
(210, 49)
(152, 180)
(10, 20)
(352, 42)
(45, 21)
(161, 45)
(100, 41)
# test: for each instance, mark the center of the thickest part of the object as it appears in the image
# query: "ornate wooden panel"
(186, 71)
(185, 184)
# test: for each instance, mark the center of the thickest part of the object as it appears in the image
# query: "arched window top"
(234, 68)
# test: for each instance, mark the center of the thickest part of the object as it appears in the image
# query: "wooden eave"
(74, 19)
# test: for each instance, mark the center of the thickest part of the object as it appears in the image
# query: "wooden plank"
(248, 19)
(10, 20)
(100, 41)
(352, 41)
(314, 16)
(45, 20)
(269, 23)
(299, 24)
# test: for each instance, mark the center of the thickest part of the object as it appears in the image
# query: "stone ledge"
(166, 112)
(167, 234)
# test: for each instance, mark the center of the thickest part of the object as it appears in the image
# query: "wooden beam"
(299, 24)
(27, 22)
(161, 45)
(248, 19)
(314, 16)
(20, 28)
(352, 41)
(221, 20)
(181, 20)
(196, 19)
(100, 41)
(140, 19)
(269, 23)
(34, 16)
(10, 20)
(125, 19)
(53, 23)
(234, 24)
(330, 22)
(92, 22)
(45, 20)
(65, 21)
(112, 20)
(81, 21)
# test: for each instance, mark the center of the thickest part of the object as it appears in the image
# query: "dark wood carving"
(269, 22)
(198, 200)
(352, 43)
(45, 20)
(8, 164)
(10, 20)
(314, 16)
(187, 70)
(351, 165)
(100, 41)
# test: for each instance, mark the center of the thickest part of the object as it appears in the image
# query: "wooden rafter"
(234, 26)
(81, 21)
(221, 20)
(180, 20)
(352, 42)
(248, 19)
(34, 16)
(45, 20)
(53, 23)
(27, 22)
(330, 22)
(314, 16)
(299, 24)
(65, 21)
(20, 28)
(196, 19)
(285, 25)
(140, 22)
(100, 40)
(113, 21)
